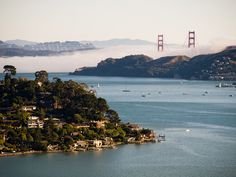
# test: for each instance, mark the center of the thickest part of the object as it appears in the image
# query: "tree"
(68, 140)
(102, 105)
(78, 118)
(41, 76)
(113, 116)
(9, 70)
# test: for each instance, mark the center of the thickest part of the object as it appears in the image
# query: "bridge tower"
(191, 39)
(160, 43)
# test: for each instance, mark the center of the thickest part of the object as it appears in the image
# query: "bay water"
(197, 118)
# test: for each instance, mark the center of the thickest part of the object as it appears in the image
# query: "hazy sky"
(47, 20)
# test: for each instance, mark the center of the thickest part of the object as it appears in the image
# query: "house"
(134, 127)
(82, 144)
(56, 122)
(28, 108)
(75, 133)
(78, 126)
(34, 122)
(95, 143)
(108, 141)
(99, 124)
(151, 134)
(53, 147)
(131, 140)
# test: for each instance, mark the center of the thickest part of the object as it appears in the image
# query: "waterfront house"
(131, 140)
(95, 143)
(108, 141)
(81, 144)
(53, 147)
(134, 127)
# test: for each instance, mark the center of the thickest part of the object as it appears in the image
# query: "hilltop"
(217, 66)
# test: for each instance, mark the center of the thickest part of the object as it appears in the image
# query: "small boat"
(161, 137)
(187, 130)
(224, 85)
(98, 85)
(230, 95)
(143, 95)
(126, 90)
(219, 85)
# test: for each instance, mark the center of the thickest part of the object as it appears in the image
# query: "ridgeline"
(218, 66)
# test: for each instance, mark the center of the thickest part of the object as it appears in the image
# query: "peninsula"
(41, 115)
(217, 66)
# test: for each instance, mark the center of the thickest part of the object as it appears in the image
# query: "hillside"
(44, 115)
(217, 66)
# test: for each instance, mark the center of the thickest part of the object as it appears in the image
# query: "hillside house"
(28, 108)
(34, 122)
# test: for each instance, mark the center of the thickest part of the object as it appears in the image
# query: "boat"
(161, 137)
(98, 85)
(219, 85)
(143, 95)
(126, 90)
(187, 130)
(224, 85)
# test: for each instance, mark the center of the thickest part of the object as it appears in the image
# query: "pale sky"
(50, 20)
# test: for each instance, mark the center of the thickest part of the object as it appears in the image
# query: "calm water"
(170, 107)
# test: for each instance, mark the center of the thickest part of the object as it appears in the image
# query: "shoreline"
(114, 146)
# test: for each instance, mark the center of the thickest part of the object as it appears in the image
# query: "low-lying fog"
(69, 62)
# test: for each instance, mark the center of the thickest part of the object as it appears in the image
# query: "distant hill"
(20, 42)
(117, 42)
(218, 66)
